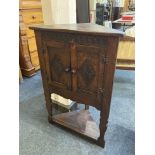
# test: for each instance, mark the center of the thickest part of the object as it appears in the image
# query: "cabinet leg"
(50, 109)
(104, 114)
(76, 105)
(49, 106)
(101, 142)
(50, 119)
(86, 107)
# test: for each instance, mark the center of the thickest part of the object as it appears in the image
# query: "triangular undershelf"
(78, 121)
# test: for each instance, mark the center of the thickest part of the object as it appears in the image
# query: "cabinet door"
(88, 70)
(57, 61)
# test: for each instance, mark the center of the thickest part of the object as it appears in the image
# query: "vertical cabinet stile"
(73, 65)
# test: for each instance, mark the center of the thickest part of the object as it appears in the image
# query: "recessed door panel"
(90, 69)
(58, 64)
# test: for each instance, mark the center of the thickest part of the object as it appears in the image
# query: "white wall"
(59, 11)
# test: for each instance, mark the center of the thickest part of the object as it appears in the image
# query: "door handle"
(67, 69)
(73, 71)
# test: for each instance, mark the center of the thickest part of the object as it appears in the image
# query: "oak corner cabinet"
(78, 62)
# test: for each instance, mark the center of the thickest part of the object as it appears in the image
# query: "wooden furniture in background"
(126, 49)
(126, 6)
(78, 62)
(126, 53)
(30, 12)
(20, 76)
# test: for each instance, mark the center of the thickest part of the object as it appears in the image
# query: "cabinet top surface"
(87, 28)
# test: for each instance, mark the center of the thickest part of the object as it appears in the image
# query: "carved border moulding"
(65, 37)
(85, 39)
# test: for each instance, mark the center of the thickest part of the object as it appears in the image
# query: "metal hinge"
(101, 90)
(104, 59)
(101, 94)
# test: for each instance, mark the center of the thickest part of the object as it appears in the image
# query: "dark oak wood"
(85, 28)
(81, 122)
(78, 62)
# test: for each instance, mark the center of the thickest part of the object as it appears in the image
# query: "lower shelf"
(80, 122)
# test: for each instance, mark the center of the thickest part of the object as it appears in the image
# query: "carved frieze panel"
(77, 38)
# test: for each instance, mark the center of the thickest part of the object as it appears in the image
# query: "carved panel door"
(57, 55)
(88, 70)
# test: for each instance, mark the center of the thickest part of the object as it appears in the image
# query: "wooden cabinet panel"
(58, 57)
(126, 50)
(89, 69)
(30, 33)
(35, 59)
(30, 4)
(32, 44)
(126, 54)
(32, 16)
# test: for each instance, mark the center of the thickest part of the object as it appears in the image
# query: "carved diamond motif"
(57, 66)
(87, 72)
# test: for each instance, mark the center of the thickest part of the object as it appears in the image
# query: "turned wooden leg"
(50, 119)
(76, 105)
(49, 106)
(48, 103)
(101, 142)
(102, 128)
(104, 114)
(86, 107)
